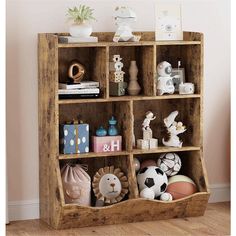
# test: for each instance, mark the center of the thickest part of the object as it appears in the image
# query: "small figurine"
(164, 81)
(174, 128)
(124, 16)
(147, 120)
(100, 132)
(186, 88)
(116, 69)
(147, 142)
(112, 130)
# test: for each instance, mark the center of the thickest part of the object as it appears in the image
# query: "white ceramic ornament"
(166, 197)
(147, 193)
(164, 81)
(124, 17)
(153, 178)
(170, 163)
(136, 164)
(174, 128)
(147, 120)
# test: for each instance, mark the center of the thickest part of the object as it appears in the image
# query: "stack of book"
(85, 89)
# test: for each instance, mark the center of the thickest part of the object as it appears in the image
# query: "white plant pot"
(81, 30)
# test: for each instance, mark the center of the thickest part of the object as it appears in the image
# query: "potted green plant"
(81, 18)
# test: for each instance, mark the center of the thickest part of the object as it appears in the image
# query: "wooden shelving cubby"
(53, 60)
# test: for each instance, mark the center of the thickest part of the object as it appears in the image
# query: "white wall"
(26, 18)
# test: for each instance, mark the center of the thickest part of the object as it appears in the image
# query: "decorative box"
(74, 138)
(118, 89)
(107, 143)
(143, 143)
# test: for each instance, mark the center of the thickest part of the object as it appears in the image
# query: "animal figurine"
(174, 128)
(147, 120)
(124, 16)
(164, 81)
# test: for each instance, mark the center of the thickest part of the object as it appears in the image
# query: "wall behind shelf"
(25, 18)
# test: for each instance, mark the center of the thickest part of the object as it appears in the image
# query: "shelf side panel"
(48, 133)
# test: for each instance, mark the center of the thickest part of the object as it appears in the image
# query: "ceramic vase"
(83, 30)
(134, 87)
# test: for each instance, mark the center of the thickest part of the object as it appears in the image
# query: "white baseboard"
(219, 193)
(25, 210)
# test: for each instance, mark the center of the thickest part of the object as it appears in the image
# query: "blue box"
(74, 138)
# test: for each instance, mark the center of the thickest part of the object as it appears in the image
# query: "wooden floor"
(216, 221)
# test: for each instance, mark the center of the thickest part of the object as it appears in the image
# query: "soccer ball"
(170, 163)
(153, 178)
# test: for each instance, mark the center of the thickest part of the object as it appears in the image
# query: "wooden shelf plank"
(91, 154)
(140, 43)
(135, 151)
(166, 149)
(127, 98)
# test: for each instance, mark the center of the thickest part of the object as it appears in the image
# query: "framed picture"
(178, 77)
(168, 21)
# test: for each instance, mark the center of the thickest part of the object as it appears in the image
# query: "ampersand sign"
(76, 71)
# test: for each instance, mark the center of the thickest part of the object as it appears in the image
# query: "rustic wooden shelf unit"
(54, 58)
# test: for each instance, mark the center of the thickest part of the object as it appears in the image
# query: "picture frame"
(179, 77)
(168, 20)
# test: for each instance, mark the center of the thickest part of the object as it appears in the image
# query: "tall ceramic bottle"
(134, 87)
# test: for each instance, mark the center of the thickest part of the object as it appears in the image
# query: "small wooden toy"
(110, 185)
(143, 143)
(118, 75)
(134, 87)
(174, 128)
(107, 143)
(117, 88)
(112, 130)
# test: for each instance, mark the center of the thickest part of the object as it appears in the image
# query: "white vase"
(134, 87)
(82, 30)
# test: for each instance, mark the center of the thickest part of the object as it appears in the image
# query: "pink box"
(107, 143)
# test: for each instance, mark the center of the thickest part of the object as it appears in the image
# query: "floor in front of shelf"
(216, 221)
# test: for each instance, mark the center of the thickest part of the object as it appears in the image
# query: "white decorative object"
(166, 197)
(170, 163)
(174, 128)
(147, 193)
(186, 88)
(146, 123)
(134, 87)
(136, 164)
(154, 178)
(168, 22)
(153, 143)
(148, 142)
(164, 80)
(143, 144)
(178, 76)
(124, 16)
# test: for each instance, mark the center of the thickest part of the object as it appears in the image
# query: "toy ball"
(153, 178)
(136, 164)
(181, 186)
(166, 197)
(170, 163)
(147, 193)
(147, 163)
